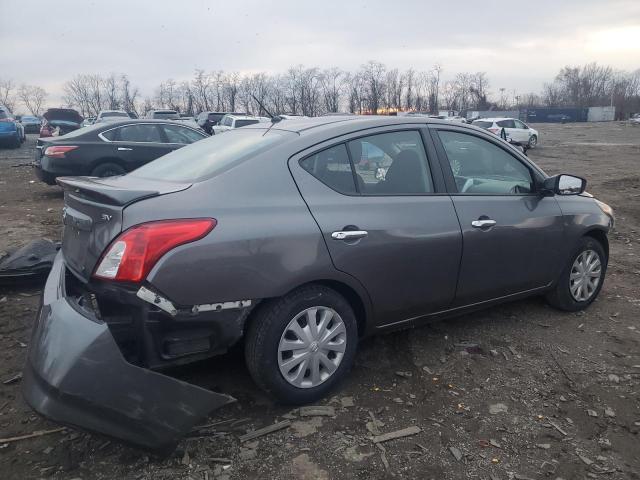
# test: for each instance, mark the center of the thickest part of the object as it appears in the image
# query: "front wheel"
(533, 141)
(582, 279)
(300, 346)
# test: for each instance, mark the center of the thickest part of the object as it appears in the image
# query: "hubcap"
(312, 347)
(585, 275)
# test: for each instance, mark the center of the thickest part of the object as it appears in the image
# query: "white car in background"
(111, 116)
(229, 122)
(515, 129)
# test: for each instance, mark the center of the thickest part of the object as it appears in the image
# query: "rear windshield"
(114, 114)
(166, 115)
(208, 157)
(244, 123)
(481, 124)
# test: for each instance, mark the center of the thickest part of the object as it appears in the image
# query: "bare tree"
(7, 93)
(373, 77)
(32, 97)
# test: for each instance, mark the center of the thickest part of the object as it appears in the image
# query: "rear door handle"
(124, 149)
(484, 223)
(349, 235)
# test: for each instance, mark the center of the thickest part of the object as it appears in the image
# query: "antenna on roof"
(274, 118)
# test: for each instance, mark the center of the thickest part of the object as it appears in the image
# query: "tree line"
(372, 89)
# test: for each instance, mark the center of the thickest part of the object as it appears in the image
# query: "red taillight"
(6, 119)
(58, 151)
(132, 255)
(494, 130)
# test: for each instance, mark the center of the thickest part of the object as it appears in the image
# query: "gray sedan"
(297, 238)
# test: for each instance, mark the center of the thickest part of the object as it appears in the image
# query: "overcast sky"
(520, 44)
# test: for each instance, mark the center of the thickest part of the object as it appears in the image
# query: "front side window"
(177, 134)
(520, 124)
(138, 133)
(481, 167)
(332, 167)
(392, 163)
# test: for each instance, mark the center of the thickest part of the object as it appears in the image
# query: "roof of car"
(131, 121)
(300, 125)
(494, 119)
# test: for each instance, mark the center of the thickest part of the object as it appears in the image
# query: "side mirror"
(564, 184)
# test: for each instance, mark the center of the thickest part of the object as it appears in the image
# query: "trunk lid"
(93, 214)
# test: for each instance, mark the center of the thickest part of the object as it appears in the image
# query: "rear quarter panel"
(265, 243)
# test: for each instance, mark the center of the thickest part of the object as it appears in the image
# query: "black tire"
(533, 141)
(108, 169)
(560, 297)
(266, 329)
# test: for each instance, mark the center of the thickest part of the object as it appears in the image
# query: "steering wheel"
(467, 185)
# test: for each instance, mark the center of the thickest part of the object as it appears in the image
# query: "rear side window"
(211, 156)
(392, 163)
(506, 124)
(332, 167)
(177, 134)
(3, 114)
(482, 124)
(139, 133)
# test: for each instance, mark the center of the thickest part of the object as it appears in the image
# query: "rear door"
(393, 228)
(512, 234)
(137, 144)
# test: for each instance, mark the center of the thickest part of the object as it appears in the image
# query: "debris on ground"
(265, 430)
(317, 411)
(405, 432)
(29, 262)
(496, 408)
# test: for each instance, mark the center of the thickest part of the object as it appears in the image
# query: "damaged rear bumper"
(75, 374)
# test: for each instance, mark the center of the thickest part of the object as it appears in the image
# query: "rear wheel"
(582, 279)
(107, 169)
(533, 141)
(300, 346)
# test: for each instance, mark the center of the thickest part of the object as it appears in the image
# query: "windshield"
(209, 157)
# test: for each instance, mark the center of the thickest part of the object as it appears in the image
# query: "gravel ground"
(518, 391)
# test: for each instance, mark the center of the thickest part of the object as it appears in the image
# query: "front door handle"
(349, 235)
(484, 223)
(124, 149)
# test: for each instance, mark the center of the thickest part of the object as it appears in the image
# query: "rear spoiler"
(119, 191)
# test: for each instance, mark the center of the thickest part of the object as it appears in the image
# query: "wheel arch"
(361, 308)
(118, 161)
(601, 237)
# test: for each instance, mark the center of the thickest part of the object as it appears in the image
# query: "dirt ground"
(520, 391)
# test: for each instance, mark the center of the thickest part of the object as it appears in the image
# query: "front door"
(391, 227)
(138, 144)
(512, 234)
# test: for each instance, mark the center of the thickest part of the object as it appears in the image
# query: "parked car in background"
(635, 118)
(189, 121)
(163, 114)
(113, 148)
(559, 117)
(207, 120)
(111, 116)
(269, 236)
(456, 118)
(88, 121)
(31, 123)
(60, 121)
(229, 122)
(516, 129)
(11, 130)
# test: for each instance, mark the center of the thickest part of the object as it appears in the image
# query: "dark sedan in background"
(108, 149)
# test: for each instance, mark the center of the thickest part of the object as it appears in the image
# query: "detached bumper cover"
(76, 375)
